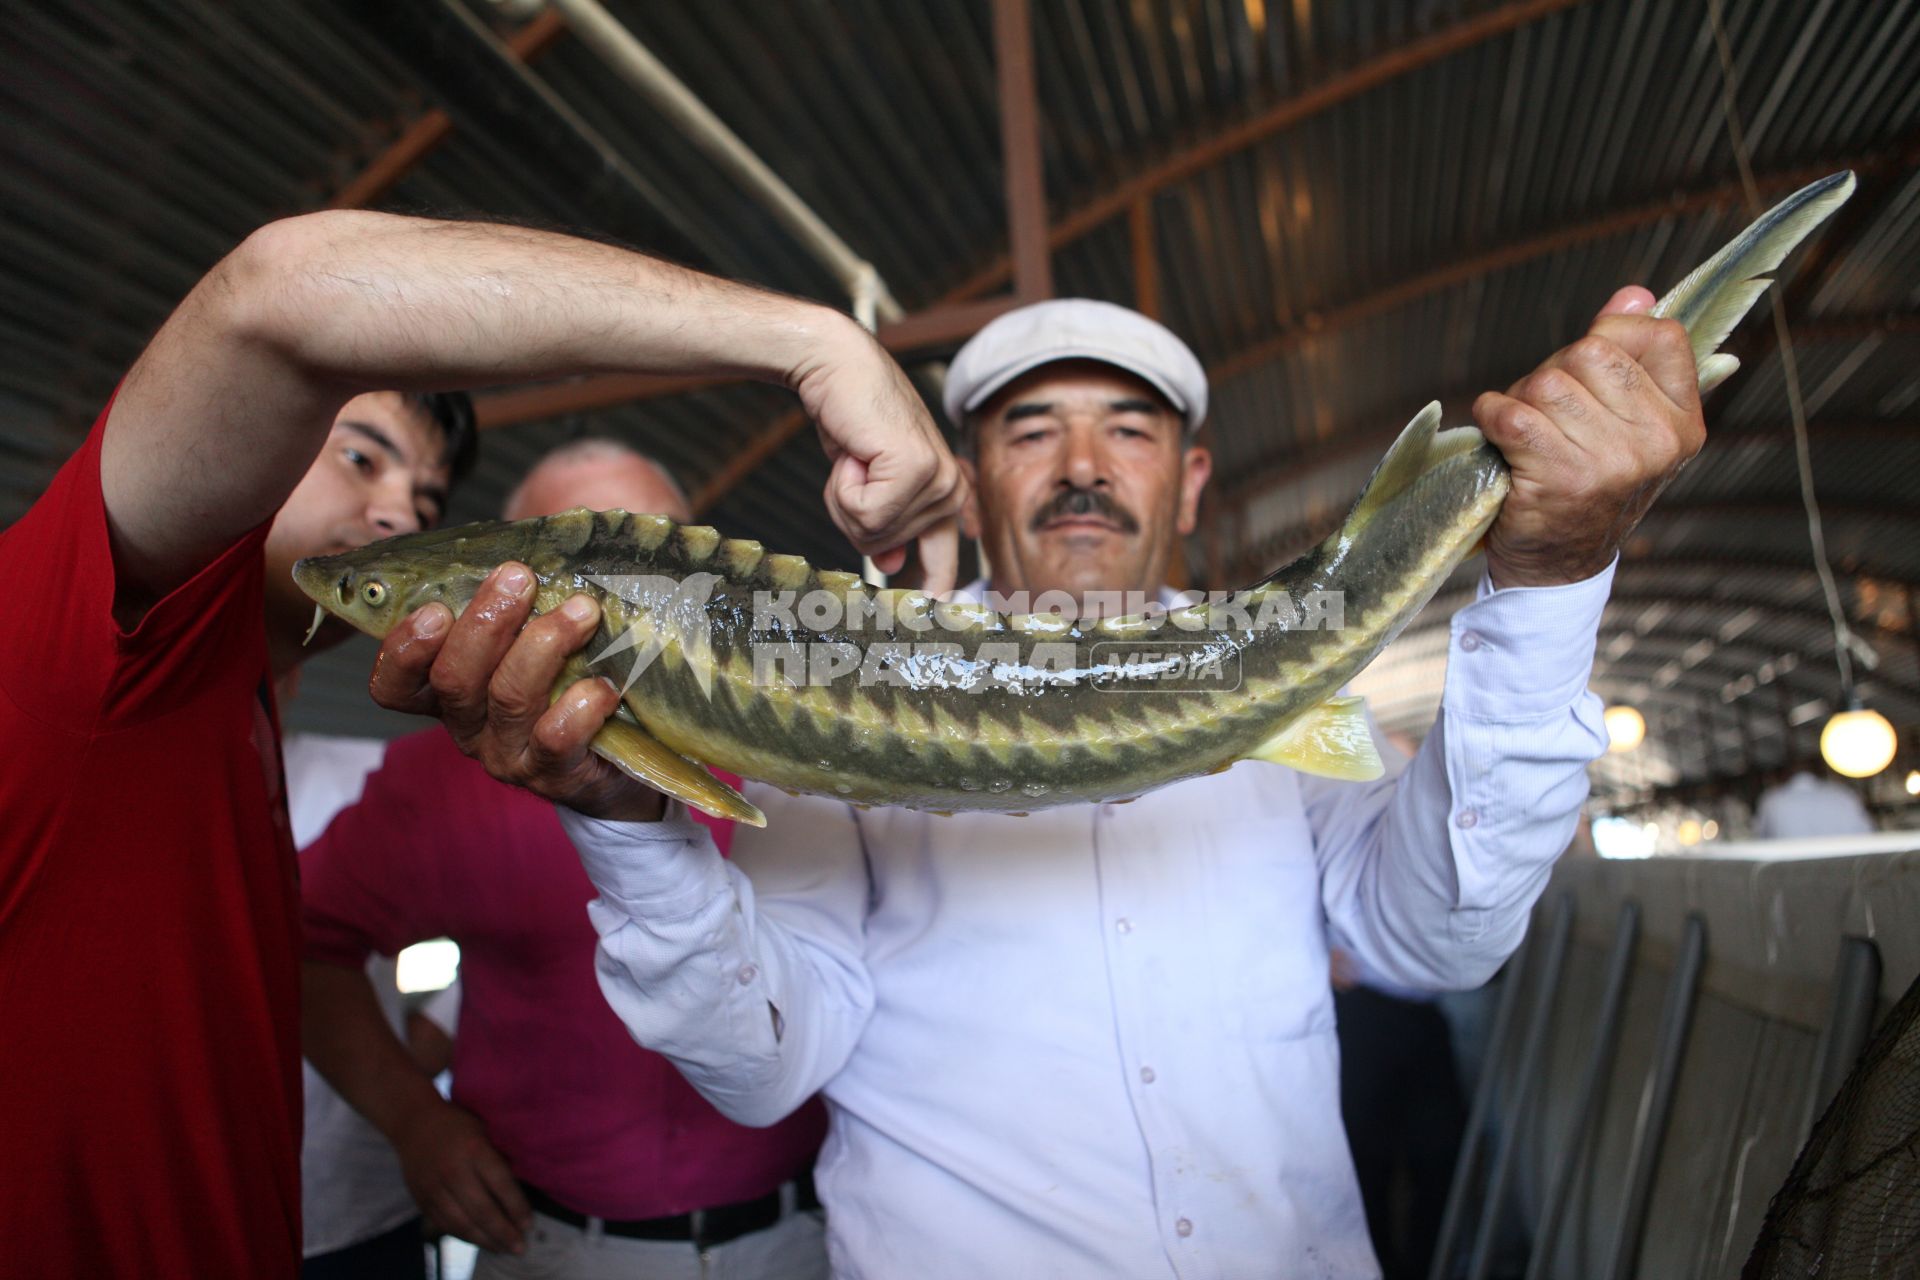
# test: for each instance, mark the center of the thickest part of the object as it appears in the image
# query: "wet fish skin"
(1016, 727)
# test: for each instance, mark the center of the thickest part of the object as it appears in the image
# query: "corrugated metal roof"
(1541, 153)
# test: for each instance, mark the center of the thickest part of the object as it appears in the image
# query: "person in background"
(358, 1219)
(1400, 1101)
(1098, 1040)
(567, 1150)
(150, 1108)
(1403, 1110)
(1804, 806)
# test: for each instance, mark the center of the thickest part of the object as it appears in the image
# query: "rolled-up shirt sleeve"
(758, 1002)
(1429, 873)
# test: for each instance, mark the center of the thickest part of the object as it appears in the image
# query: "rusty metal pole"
(1020, 151)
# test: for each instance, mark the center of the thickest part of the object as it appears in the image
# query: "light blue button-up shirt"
(1098, 1041)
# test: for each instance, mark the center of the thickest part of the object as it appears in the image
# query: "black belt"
(703, 1228)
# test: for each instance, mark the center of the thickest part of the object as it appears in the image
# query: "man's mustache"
(1073, 503)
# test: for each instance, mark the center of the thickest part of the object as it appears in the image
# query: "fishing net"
(1851, 1207)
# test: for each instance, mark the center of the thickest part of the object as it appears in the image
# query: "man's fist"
(489, 676)
(1592, 437)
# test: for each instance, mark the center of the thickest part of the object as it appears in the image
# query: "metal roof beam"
(490, 92)
(1289, 469)
(945, 324)
(1296, 539)
(1443, 608)
(1553, 240)
(429, 130)
(1344, 446)
(1380, 301)
(1809, 680)
(1210, 150)
(1020, 151)
(1284, 115)
(673, 102)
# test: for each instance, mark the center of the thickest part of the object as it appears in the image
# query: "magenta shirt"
(437, 848)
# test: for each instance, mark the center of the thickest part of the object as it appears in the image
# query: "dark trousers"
(1404, 1113)
(400, 1254)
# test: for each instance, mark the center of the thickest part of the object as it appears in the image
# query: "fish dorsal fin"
(1403, 465)
(699, 542)
(739, 557)
(1041, 624)
(958, 615)
(1332, 740)
(648, 531)
(1131, 625)
(785, 573)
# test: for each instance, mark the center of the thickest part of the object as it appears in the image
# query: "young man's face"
(1082, 481)
(383, 471)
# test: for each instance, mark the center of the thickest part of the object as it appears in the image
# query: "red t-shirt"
(149, 985)
(437, 847)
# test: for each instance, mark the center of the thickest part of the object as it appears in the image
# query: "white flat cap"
(1076, 329)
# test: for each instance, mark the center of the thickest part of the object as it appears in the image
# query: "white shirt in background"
(351, 1188)
(1805, 806)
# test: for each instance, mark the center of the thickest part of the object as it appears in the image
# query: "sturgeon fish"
(952, 707)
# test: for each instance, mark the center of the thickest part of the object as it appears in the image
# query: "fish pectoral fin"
(623, 743)
(1331, 740)
(638, 754)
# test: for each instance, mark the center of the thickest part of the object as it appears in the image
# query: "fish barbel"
(889, 698)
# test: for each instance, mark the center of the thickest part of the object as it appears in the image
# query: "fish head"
(372, 588)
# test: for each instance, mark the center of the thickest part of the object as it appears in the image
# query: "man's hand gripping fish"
(950, 707)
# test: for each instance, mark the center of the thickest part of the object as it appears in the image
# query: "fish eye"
(374, 593)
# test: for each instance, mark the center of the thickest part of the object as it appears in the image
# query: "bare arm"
(221, 415)
(457, 1177)
(430, 1047)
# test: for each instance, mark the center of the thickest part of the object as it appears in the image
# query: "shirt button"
(1469, 641)
(1468, 818)
(1146, 1075)
(1183, 1227)
(748, 973)
(1123, 925)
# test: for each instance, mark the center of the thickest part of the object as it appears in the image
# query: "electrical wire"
(1843, 639)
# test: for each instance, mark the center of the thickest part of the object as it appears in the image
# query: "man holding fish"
(1097, 1040)
(150, 1112)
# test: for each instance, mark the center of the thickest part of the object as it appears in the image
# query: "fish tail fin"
(1718, 293)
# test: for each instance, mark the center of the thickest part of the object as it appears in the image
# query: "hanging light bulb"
(1858, 742)
(1913, 782)
(1626, 728)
